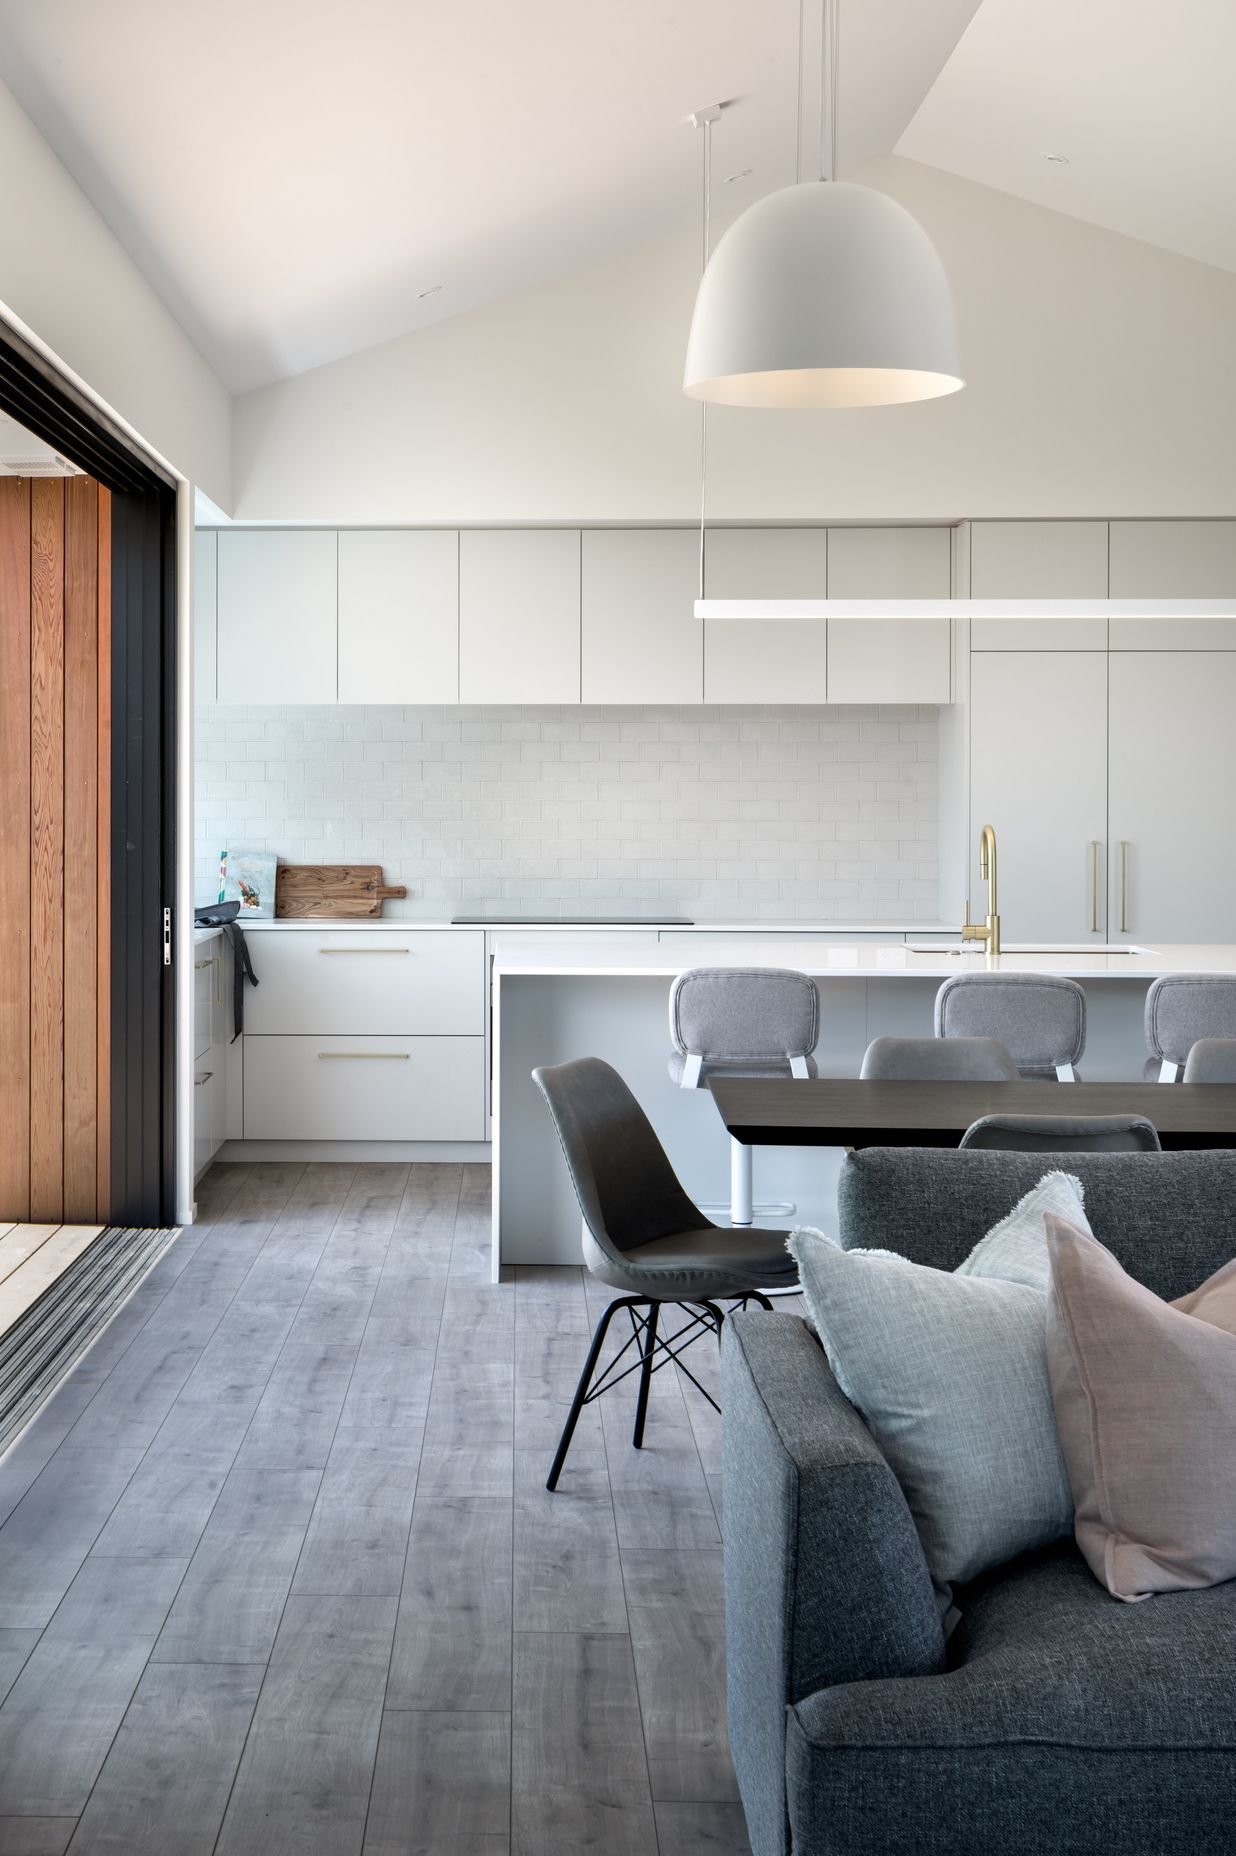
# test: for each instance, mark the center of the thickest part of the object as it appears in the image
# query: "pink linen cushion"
(1145, 1399)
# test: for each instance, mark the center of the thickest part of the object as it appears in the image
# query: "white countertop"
(846, 961)
(402, 923)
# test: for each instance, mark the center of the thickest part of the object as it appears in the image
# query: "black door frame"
(144, 772)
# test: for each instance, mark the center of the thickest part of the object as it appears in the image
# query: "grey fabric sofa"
(1056, 1721)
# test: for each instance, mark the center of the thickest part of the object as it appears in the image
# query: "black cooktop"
(571, 921)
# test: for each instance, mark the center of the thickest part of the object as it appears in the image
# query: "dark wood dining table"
(849, 1113)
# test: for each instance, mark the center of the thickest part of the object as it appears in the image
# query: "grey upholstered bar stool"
(643, 1236)
(742, 1021)
(1181, 1009)
(1064, 1134)
(937, 1060)
(1039, 1018)
(1212, 1060)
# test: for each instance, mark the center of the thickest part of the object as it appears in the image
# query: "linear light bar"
(966, 608)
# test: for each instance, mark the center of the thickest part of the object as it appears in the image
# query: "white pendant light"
(823, 294)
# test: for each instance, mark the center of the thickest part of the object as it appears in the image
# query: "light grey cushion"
(1212, 1060)
(1183, 1007)
(744, 1014)
(937, 1060)
(950, 1372)
(1039, 1018)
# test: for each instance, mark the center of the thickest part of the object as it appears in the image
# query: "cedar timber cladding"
(55, 750)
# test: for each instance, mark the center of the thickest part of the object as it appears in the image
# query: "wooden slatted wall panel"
(14, 848)
(81, 845)
(46, 848)
(55, 849)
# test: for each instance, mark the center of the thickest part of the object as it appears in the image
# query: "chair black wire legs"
(653, 1350)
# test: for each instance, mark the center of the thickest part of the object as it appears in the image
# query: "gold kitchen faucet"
(988, 931)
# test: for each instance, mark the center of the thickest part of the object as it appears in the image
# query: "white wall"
(65, 275)
(1101, 381)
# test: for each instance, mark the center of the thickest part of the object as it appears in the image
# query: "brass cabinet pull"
(370, 1056)
(199, 1082)
(364, 950)
(1124, 886)
(200, 966)
(1094, 886)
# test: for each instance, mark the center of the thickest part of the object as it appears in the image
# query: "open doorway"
(87, 810)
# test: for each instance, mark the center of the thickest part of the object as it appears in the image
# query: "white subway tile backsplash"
(809, 814)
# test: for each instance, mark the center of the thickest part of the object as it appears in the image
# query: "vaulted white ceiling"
(1136, 95)
(292, 174)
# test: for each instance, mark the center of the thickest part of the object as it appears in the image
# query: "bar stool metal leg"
(741, 1211)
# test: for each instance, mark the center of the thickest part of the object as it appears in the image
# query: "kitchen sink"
(976, 948)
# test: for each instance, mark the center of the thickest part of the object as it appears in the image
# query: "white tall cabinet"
(1172, 804)
(1038, 773)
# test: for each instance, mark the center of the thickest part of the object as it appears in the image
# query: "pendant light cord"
(798, 120)
(828, 89)
(706, 239)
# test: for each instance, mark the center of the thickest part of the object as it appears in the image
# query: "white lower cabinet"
(364, 1089)
(212, 1012)
(365, 1034)
(367, 982)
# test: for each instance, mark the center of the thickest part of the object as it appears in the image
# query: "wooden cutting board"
(341, 890)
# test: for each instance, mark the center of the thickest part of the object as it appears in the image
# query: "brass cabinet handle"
(370, 1056)
(200, 966)
(1124, 886)
(200, 1081)
(364, 950)
(1094, 886)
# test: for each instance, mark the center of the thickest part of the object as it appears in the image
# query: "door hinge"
(167, 937)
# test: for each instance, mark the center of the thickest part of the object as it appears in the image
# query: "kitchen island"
(559, 998)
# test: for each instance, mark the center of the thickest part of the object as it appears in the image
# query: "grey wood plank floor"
(279, 1573)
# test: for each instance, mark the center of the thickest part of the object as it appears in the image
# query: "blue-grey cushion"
(950, 1373)
(1065, 1724)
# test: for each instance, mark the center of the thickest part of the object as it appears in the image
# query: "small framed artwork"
(251, 882)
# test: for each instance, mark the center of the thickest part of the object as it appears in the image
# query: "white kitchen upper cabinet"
(399, 615)
(1038, 774)
(642, 642)
(205, 617)
(766, 660)
(1038, 560)
(1172, 802)
(1173, 560)
(519, 615)
(278, 615)
(889, 660)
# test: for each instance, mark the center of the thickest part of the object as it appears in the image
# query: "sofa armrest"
(825, 1580)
